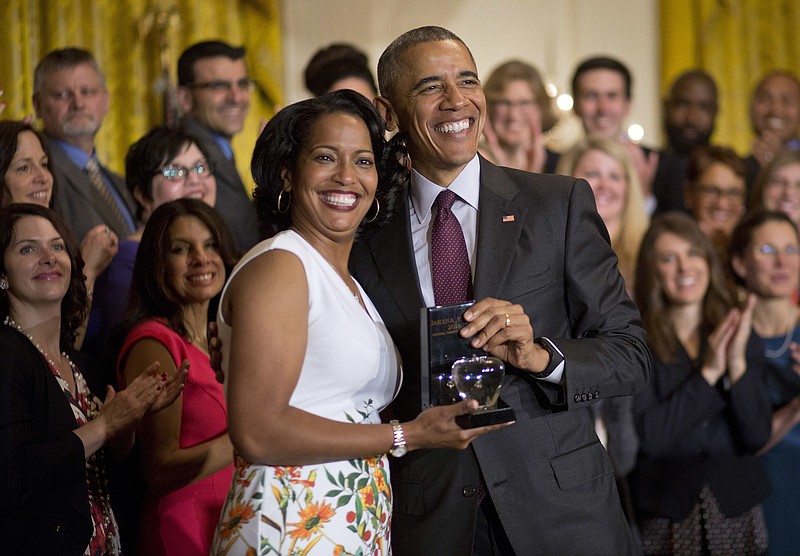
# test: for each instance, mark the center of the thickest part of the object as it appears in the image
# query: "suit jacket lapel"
(500, 222)
(79, 182)
(392, 250)
(224, 167)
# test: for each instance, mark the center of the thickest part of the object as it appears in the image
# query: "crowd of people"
(644, 302)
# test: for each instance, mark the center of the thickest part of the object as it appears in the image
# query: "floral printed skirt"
(340, 508)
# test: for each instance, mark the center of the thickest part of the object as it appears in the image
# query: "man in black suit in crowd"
(551, 304)
(690, 111)
(214, 95)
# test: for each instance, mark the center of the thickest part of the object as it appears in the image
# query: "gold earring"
(377, 210)
(289, 202)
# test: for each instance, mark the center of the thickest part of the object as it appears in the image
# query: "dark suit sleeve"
(606, 353)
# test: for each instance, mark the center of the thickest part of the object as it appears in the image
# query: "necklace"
(89, 407)
(787, 341)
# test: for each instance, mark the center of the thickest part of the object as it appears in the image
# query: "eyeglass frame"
(221, 85)
(185, 171)
(719, 193)
(769, 250)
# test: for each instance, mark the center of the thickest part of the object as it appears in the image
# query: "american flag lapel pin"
(508, 218)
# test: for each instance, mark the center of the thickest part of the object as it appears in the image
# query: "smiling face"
(770, 265)
(335, 178)
(195, 269)
(601, 103)
(776, 107)
(72, 103)
(682, 270)
(28, 178)
(717, 199)
(37, 265)
(782, 191)
(511, 113)
(440, 104)
(219, 96)
(193, 185)
(609, 184)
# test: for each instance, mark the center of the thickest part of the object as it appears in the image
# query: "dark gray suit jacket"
(548, 474)
(233, 202)
(77, 201)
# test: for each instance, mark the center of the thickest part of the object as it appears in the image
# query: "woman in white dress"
(308, 360)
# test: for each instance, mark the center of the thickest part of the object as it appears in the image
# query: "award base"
(501, 414)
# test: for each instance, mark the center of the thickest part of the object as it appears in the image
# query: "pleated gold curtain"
(737, 42)
(132, 40)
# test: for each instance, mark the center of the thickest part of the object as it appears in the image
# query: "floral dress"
(350, 372)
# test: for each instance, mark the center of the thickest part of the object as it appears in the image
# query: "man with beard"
(214, 96)
(70, 96)
(689, 114)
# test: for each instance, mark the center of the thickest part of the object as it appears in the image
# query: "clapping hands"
(727, 343)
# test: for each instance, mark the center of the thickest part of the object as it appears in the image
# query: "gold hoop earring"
(377, 210)
(289, 202)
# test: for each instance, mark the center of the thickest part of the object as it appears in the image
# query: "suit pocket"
(530, 283)
(408, 497)
(581, 466)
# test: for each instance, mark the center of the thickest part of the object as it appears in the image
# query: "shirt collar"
(75, 154)
(466, 186)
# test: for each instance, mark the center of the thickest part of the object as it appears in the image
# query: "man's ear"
(36, 104)
(184, 97)
(387, 112)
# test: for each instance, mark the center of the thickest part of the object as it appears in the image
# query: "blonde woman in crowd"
(606, 165)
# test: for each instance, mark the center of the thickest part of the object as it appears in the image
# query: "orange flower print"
(239, 514)
(338, 550)
(312, 518)
(367, 495)
(380, 480)
(293, 472)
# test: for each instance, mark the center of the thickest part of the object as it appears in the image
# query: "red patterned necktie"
(452, 278)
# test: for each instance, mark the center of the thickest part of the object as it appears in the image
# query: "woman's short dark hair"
(152, 294)
(150, 153)
(650, 296)
(334, 63)
(9, 143)
(703, 156)
(75, 302)
(279, 146)
(742, 235)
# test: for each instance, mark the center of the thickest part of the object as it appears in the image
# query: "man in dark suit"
(602, 89)
(690, 111)
(552, 306)
(214, 94)
(70, 96)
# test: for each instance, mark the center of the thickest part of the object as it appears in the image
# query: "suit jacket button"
(596, 395)
(583, 397)
(577, 397)
(469, 491)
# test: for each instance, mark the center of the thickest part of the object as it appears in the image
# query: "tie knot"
(445, 200)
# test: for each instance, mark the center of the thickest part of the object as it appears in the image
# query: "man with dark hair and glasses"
(214, 97)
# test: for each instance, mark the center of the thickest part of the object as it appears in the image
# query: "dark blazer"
(77, 201)
(692, 433)
(234, 204)
(44, 506)
(548, 475)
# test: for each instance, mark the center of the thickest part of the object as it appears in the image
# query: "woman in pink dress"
(186, 454)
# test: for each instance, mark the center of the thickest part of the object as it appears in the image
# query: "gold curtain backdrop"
(131, 39)
(737, 42)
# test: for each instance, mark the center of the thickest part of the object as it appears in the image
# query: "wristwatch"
(398, 449)
(556, 357)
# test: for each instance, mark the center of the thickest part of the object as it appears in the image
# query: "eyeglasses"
(769, 250)
(505, 104)
(176, 172)
(220, 86)
(719, 193)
